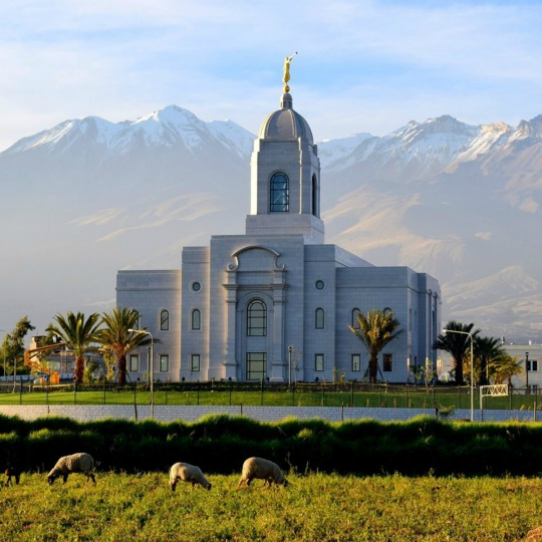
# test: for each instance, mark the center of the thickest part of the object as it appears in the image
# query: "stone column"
(230, 362)
(279, 299)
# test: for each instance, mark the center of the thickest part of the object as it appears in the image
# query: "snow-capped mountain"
(89, 197)
(168, 128)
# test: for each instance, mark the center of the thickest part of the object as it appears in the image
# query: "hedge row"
(220, 444)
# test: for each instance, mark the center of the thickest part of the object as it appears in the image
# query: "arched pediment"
(255, 258)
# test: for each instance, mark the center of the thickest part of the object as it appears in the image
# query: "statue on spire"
(286, 77)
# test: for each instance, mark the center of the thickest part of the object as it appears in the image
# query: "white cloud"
(363, 65)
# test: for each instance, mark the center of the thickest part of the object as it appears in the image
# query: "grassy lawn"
(395, 398)
(314, 508)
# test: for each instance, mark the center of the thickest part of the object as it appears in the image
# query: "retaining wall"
(265, 413)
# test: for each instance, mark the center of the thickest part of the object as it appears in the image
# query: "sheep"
(187, 473)
(256, 467)
(12, 472)
(80, 462)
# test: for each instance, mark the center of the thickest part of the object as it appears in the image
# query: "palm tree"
(375, 330)
(505, 367)
(117, 339)
(78, 333)
(487, 349)
(457, 344)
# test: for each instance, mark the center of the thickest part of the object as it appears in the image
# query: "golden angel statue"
(286, 77)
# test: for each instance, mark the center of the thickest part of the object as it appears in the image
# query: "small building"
(275, 303)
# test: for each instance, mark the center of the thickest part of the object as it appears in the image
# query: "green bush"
(220, 444)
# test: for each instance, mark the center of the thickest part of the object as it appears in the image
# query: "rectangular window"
(532, 365)
(256, 365)
(356, 362)
(319, 319)
(164, 363)
(134, 363)
(387, 365)
(318, 362)
(195, 364)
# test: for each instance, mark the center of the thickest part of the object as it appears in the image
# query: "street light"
(527, 371)
(444, 331)
(290, 348)
(151, 365)
(5, 376)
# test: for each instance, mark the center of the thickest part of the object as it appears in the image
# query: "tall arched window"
(355, 315)
(164, 320)
(314, 196)
(319, 318)
(280, 193)
(257, 319)
(196, 319)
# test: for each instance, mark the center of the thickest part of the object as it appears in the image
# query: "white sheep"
(187, 473)
(263, 469)
(80, 462)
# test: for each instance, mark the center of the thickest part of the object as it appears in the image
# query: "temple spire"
(286, 77)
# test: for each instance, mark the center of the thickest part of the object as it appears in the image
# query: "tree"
(457, 345)
(12, 349)
(78, 333)
(117, 339)
(486, 349)
(375, 330)
(505, 367)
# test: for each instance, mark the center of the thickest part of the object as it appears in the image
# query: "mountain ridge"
(459, 201)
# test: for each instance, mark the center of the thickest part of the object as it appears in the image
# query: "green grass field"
(402, 398)
(317, 507)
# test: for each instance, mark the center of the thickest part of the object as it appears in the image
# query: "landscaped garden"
(300, 394)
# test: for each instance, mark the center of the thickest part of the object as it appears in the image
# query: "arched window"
(319, 318)
(164, 320)
(196, 319)
(257, 319)
(314, 196)
(355, 315)
(280, 193)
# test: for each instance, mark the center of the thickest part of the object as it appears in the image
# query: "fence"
(263, 393)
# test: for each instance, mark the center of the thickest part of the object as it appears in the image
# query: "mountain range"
(88, 197)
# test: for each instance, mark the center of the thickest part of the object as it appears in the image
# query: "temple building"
(276, 302)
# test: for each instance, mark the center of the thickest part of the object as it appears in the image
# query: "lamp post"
(445, 331)
(290, 348)
(5, 375)
(527, 371)
(151, 365)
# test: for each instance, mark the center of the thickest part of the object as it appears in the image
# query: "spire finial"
(286, 77)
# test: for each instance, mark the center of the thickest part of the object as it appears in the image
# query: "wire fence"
(263, 393)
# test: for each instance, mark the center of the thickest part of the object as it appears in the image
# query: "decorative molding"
(235, 256)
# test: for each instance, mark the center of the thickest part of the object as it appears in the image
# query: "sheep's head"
(208, 486)
(51, 478)
(285, 482)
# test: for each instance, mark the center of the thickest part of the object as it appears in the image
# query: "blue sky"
(363, 66)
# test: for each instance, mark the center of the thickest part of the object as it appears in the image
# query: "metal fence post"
(74, 392)
(104, 391)
(352, 394)
(21, 394)
(261, 392)
(231, 388)
(197, 392)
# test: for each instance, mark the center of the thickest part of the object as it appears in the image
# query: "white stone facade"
(276, 302)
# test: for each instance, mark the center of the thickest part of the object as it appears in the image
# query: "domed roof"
(285, 124)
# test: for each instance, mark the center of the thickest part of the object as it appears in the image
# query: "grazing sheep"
(72, 463)
(187, 473)
(12, 472)
(256, 467)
